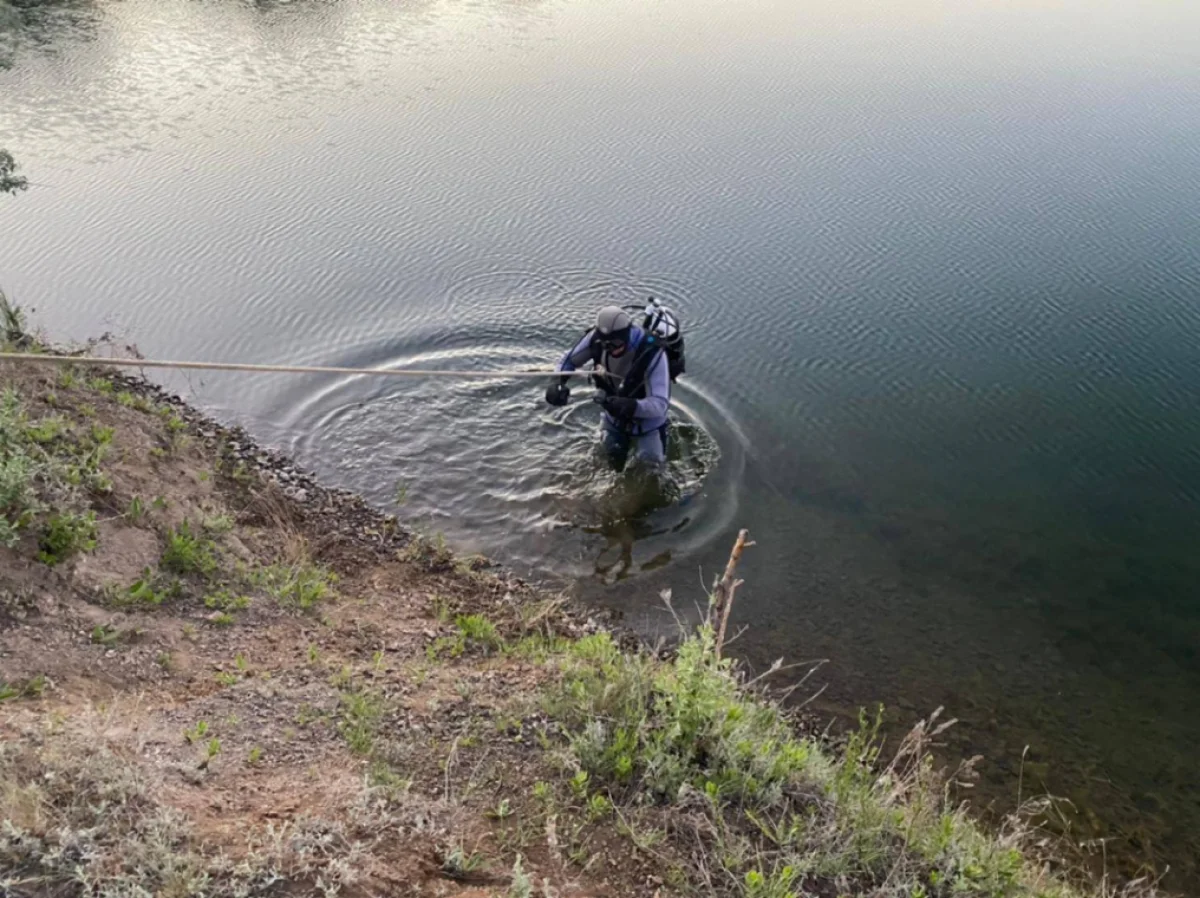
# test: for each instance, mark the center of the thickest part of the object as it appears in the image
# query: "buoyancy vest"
(636, 380)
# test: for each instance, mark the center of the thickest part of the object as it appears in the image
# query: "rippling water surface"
(938, 263)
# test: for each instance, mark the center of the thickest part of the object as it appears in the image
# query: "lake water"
(939, 266)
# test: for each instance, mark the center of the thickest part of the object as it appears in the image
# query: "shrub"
(776, 815)
(65, 534)
(662, 726)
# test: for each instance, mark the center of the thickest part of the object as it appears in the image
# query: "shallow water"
(938, 265)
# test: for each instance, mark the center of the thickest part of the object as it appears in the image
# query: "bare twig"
(725, 588)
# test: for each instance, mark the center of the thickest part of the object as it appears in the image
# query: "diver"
(637, 366)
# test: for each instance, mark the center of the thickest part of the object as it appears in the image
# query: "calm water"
(939, 264)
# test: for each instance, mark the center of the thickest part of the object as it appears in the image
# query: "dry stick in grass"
(725, 588)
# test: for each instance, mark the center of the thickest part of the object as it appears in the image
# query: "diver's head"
(613, 325)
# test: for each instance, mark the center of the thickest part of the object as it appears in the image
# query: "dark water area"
(939, 266)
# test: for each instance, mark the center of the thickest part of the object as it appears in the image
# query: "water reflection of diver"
(639, 365)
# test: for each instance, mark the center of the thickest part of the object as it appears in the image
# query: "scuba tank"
(662, 326)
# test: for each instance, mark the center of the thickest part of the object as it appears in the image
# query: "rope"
(282, 369)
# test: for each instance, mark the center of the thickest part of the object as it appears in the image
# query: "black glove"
(558, 394)
(620, 407)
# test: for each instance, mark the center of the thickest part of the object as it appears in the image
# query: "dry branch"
(722, 597)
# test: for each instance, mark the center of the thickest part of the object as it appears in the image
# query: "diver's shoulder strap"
(635, 381)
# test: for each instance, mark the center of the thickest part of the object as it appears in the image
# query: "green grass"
(106, 635)
(149, 590)
(300, 585)
(478, 630)
(779, 813)
(197, 732)
(136, 510)
(47, 472)
(361, 712)
(446, 647)
(65, 534)
(19, 471)
(217, 524)
(538, 648)
(431, 553)
(458, 863)
(47, 430)
(31, 688)
(226, 600)
(188, 552)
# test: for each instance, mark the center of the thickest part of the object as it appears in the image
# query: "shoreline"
(331, 671)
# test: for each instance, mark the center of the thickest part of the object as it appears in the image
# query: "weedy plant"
(12, 317)
(458, 863)
(149, 590)
(44, 472)
(66, 533)
(188, 552)
(197, 732)
(136, 510)
(301, 585)
(19, 501)
(362, 710)
(226, 600)
(31, 688)
(478, 630)
(766, 812)
(521, 886)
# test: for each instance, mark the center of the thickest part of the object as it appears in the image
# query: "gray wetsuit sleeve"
(580, 354)
(658, 391)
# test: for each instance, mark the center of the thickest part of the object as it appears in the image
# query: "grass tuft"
(478, 630)
(188, 552)
(66, 533)
(301, 585)
(362, 710)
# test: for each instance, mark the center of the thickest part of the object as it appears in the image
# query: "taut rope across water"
(282, 369)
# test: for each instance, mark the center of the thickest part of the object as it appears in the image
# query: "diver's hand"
(558, 394)
(620, 406)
